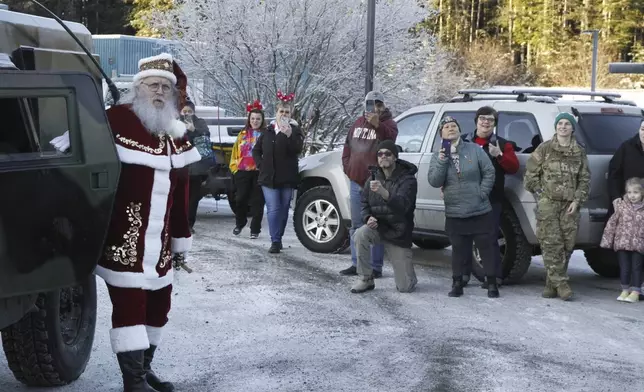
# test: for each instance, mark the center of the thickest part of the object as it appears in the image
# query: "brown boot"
(564, 291)
(549, 291)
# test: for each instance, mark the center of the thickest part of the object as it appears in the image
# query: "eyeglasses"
(154, 87)
(384, 154)
(486, 118)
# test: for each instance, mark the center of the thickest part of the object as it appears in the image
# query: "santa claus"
(149, 219)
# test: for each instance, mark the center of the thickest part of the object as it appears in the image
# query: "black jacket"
(628, 162)
(498, 190)
(277, 156)
(201, 167)
(396, 215)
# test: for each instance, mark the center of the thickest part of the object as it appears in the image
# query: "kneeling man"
(388, 204)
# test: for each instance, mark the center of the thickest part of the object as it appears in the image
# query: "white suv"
(526, 117)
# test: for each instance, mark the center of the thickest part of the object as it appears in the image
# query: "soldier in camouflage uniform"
(557, 172)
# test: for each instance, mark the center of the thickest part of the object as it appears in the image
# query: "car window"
(465, 120)
(521, 128)
(604, 133)
(412, 130)
(29, 125)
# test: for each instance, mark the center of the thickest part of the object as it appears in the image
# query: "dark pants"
(462, 252)
(630, 265)
(249, 199)
(194, 195)
(497, 208)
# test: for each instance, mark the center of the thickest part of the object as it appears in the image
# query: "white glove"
(61, 143)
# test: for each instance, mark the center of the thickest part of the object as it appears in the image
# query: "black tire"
(516, 252)
(431, 244)
(334, 244)
(603, 262)
(52, 346)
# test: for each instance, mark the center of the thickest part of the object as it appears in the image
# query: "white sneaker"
(622, 297)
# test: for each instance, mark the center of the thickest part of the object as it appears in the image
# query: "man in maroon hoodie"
(360, 151)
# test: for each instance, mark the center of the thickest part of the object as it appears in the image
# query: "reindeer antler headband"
(254, 106)
(285, 97)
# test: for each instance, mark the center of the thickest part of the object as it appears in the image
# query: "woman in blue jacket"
(466, 175)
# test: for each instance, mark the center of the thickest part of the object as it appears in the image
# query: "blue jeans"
(377, 251)
(278, 202)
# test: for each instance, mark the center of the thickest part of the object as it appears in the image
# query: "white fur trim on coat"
(185, 158)
(178, 129)
(126, 339)
(154, 72)
(154, 335)
(136, 157)
(180, 245)
(135, 280)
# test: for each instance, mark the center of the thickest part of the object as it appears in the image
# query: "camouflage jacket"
(559, 173)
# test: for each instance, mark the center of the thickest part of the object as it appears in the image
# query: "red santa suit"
(149, 223)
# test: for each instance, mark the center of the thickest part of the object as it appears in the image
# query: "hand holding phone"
(370, 106)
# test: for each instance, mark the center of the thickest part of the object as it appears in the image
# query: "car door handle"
(100, 180)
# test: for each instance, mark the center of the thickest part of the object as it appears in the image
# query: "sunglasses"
(384, 154)
(486, 118)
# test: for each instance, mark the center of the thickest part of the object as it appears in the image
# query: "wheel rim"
(321, 221)
(502, 244)
(71, 313)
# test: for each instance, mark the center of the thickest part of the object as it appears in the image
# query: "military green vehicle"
(54, 207)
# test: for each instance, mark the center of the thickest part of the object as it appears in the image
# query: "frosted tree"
(246, 49)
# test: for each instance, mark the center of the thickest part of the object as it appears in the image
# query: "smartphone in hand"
(447, 147)
(370, 106)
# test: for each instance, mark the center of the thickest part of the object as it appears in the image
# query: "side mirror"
(400, 149)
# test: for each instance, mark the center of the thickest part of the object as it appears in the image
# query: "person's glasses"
(154, 87)
(384, 154)
(486, 118)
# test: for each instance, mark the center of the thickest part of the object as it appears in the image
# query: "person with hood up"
(387, 211)
(557, 174)
(360, 147)
(466, 175)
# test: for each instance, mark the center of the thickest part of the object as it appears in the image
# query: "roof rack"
(523, 93)
(487, 97)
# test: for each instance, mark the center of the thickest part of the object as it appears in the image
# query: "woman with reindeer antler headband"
(249, 197)
(276, 154)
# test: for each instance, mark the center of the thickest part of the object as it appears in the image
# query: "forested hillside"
(542, 37)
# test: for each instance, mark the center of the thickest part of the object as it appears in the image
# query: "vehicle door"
(434, 217)
(413, 137)
(55, 206)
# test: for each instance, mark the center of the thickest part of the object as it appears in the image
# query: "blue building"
(120, 54)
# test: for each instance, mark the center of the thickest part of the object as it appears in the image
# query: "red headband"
(254, 106)
(285, 97)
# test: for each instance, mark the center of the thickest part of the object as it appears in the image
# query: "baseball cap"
(375, 96)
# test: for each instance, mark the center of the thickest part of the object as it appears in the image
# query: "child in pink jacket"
(624, 233)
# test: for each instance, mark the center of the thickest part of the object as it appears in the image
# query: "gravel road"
(249, 321)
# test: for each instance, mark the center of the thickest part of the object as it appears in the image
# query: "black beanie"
(389, 145)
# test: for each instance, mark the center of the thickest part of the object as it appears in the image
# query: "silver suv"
(526, 117)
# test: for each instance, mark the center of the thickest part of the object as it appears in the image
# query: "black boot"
(153, 380)
(457, 287)
(499, 283)
(131, 364)
(492, 288)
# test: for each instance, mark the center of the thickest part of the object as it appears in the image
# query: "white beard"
(158, 120)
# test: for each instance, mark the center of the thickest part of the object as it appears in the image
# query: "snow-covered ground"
(249, 321)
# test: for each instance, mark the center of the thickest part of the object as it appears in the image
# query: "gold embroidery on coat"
(142, 147)
(166, 256)
(181, 149)
(126, 254)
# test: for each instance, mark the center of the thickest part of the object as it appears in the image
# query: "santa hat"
(161, 65)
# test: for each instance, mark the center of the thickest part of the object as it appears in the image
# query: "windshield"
(605, 133)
